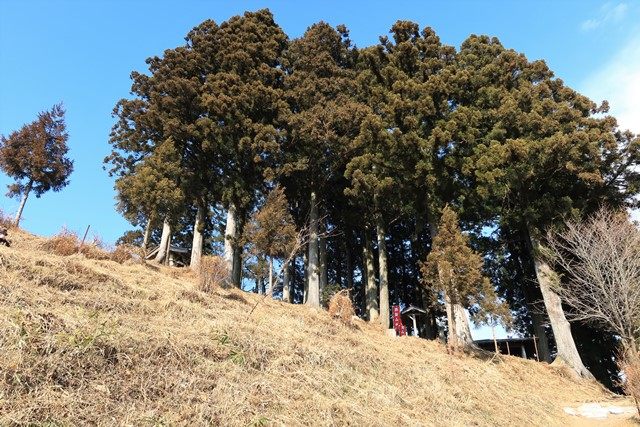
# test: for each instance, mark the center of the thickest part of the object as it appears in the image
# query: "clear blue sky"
(82, 52)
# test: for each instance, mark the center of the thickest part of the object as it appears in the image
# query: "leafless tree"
(600, 259)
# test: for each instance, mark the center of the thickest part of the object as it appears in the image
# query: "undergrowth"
(93, 342)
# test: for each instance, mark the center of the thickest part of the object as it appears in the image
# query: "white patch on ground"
(597, 411)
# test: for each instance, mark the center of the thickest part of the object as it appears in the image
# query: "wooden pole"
(508, 349)
(495, 342)
(535, 346)
(84, 237)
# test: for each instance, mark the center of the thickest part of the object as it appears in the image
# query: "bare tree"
(600, 260)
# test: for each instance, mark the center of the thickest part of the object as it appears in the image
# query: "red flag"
(401, 330)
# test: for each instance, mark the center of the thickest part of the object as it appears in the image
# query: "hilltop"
(88, 341)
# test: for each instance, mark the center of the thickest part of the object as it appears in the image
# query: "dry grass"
(5, 220)
(630, 365)
(213, 273)
(67, 243)
(96, 342)
(124, 253)
(341, 307)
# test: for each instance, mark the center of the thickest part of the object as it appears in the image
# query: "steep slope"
(96, 342)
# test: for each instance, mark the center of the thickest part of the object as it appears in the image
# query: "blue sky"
(82, 52)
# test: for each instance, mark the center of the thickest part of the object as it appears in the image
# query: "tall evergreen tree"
(324, 118)
(245, 112)
(455, 269)
(271, 231)
(164, 116)
(404, 81)
(530, 152)
(35, 157)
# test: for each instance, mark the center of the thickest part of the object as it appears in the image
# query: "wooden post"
(508, 349)
(535, 346)
(495, 342)
(84, 237)
(415, 326)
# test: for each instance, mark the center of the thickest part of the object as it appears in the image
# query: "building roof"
(172, 248)
(412, 309)
(504, 340)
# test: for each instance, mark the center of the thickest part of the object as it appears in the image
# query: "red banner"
(401, 330)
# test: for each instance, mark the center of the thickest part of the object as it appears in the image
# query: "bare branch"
(600, 259)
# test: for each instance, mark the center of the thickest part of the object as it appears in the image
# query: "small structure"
(412, 312)
(398, 326)
(178, 257)
(519, 347)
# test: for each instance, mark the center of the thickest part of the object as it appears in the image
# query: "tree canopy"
(35, 156)
(377, 137)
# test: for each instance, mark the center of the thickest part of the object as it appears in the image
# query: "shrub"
(93, 251)
(67, 243)
(64, 243)
(341, 307)
(327, 292)
(213, 273)
(5, 220)
(124, 253)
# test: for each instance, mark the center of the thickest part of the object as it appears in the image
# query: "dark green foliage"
(271, 230)
(130, 238)
(384, 135)
(35, 155)
(454, 269)
(324, 113)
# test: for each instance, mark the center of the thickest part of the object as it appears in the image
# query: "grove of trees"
(368, 147)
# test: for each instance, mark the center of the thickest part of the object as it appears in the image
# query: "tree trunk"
(371, 293)
(270, 290)
(452, 336)
(324, 275)
(462, 329)
(230, 245)
(566, 346)
(525, 272)
(147, 234)
(165, 242)
(25, 196)
(383, 272)
(196, 246)
(364, 281)
(538, 322)
(313, 294)
(305, 278)
(462, 325)
(167, 257)
(349, 268)
(430, 328)
(286, 280)
(236, 271)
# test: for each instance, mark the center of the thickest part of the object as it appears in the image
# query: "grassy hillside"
(85, 341)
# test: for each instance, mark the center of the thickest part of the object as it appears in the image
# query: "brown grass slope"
(95, 342)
